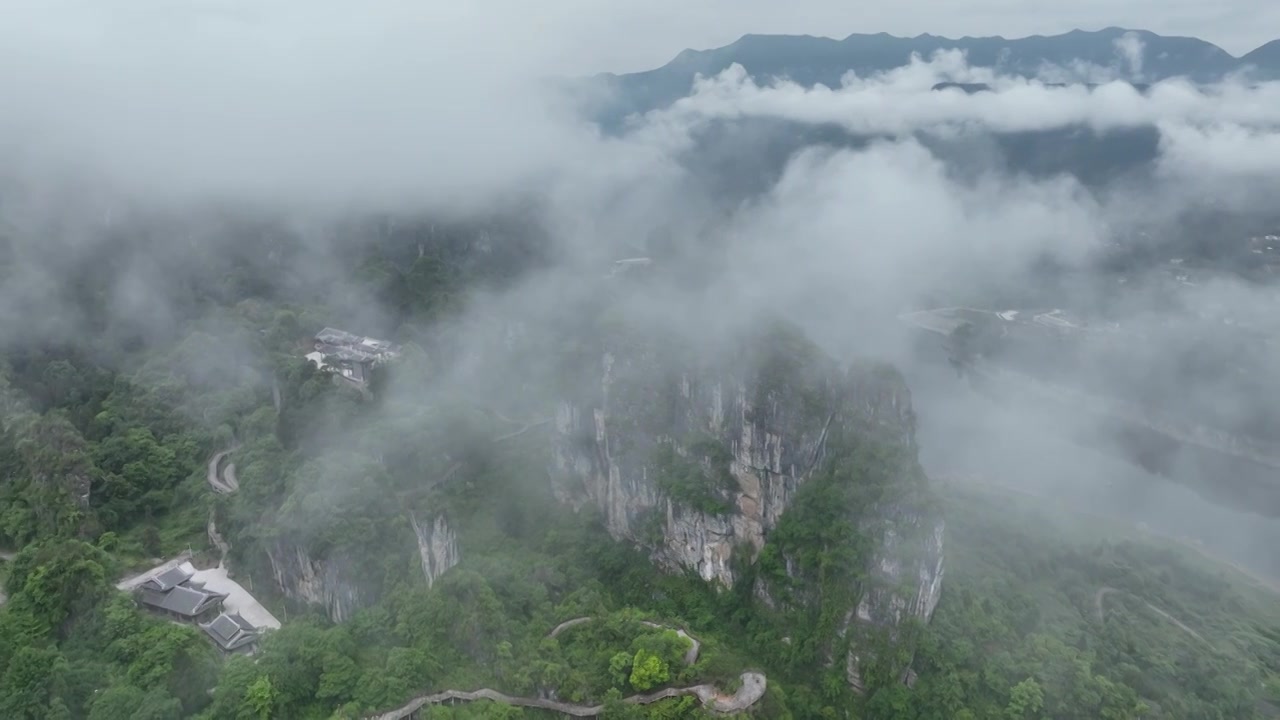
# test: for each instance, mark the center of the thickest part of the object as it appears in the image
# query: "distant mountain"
(812, 60)
(971, 88)
(1267, 56)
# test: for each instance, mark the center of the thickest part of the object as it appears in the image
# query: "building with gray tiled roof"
(231, 632)
(176, 595)
(185, 602)
(171, 578)
(350, 356)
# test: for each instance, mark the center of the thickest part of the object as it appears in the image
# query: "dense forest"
(106, 436)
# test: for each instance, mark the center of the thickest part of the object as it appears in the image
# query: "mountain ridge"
(811, 60)
(1267, 52)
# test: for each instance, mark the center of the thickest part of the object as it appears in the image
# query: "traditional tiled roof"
(329, 340)
(186, 601)
(333, 336)
(170, 578)
(230, 631)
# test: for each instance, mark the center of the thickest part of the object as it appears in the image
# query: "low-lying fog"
(967, 437)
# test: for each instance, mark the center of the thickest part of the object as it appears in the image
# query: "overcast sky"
(627, 36)
(587, 36)
(404, 99)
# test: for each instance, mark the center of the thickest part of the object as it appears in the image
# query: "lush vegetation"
(103, 447)
(71, 646)
(1023, 631)
(699, 478)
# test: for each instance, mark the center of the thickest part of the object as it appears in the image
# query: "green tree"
(648, 671)
(620, 667)
(259, 699)
(616, 709)
(31, 683)
(1025, 700)
(56, 473)
(57, 581)
(126, 702)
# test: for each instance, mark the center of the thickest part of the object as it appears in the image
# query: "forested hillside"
(357, 363)
(107, 438)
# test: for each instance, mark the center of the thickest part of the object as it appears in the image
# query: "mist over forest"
(367, 363)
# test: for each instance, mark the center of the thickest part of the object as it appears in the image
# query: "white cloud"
(395, 103)
(317, 107)
(1131, 48)
(902, 102)
(1231, 150)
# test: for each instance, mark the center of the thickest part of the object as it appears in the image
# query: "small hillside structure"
(186, 600)
(206, 598)
(627, 265)
(350, 356)
(170, 579)
(231, 632)
(177, 595)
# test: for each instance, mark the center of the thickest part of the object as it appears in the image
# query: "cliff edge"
(776, 468)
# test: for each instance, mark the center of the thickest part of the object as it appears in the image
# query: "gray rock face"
(437, 546)
(333, 581)
(328, 582)
(616, 473)
(773, 431)
(905, 583)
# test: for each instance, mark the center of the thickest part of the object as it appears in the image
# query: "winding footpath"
(525, 426)
(217, 540)
(6, 556)
(690, 657)
(229, 477)
(749, 693)
(521, 431)
(753, 687)
(1103, 592)
(224, 482)
(215, 475)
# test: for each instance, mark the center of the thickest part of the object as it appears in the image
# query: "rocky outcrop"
(328, 582)
(615, 468)
(340, 584)
(55, 455)
(698, 465)
(437, 546)
(907, 580)
(904, 584)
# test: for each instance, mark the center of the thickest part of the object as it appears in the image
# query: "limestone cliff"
(339, 584)
(328, 581)
(437, 546)
(701, 464)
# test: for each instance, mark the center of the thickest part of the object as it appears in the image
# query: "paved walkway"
(215, 474)
(690, 657)
(238, 599)
(749, 693)
(216, 538)
(6, 556)
(134, 581)
(1105, 591)
(752, 689)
